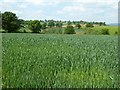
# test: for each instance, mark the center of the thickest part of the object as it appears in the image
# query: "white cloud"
(91, 1)
(81, 1)
(4, 6)
(93, 9)
(56, 2)
(17, 11)
(43, 2)
(22, 5)
(37, 2)
(9, 1)
(71, 9)
(115, 6)
(35, 15)
(39, 12)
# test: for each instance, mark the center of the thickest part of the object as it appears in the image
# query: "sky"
(74, 10)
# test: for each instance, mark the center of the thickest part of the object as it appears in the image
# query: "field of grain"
(62, 61)
(112, 29)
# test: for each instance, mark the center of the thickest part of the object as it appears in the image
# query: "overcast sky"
(88, 10)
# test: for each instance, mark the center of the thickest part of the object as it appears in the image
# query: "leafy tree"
(89, 25)
(35, 26)
(22, 22)
(44, 25)
(81, 21)
(0, 20)
(78, 26)
(100, 23)
(59, 24)
(104, 23)
(96, 23)
(69, 30)
(74, 22)
(45, 20)
(10, 22)
(69, 23)
(51, 23)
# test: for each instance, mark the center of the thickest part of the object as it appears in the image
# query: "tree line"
(11, 24)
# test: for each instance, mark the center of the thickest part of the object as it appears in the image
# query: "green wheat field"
(59, 61)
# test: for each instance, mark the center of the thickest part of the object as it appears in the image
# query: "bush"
(69, 30)
(116, 33)
(105, 31)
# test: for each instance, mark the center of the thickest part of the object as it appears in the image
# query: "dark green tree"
(51, 23)
(44, 25)
(10, 22)
(59, 24)
(69, 23)
(0, 20)
(74, 22)
(104, 23)
(35, 26)
(89, 25)
(22, 22)
(45, 20)
(69, 30)
(78, 25)
(100, 23)
(81, 22)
